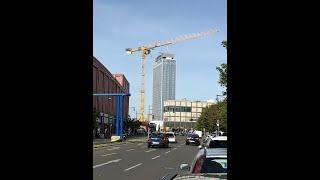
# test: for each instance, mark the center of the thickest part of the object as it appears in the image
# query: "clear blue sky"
(120, 24)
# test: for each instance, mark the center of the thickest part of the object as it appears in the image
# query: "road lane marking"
(130, 150)
(174, 148)
(132, 167)
(155, 157)
(167, 152)
(108, 154)
(150, 150)
(112, 161)
(140, 144)
(114, 148)
(168, 168)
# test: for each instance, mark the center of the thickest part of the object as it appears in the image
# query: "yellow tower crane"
(146, 49)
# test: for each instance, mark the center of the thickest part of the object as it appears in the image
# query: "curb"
(118, 143)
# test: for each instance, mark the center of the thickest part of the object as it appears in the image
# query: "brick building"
(105, 82)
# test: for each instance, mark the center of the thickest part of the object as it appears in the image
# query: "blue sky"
(120, 24)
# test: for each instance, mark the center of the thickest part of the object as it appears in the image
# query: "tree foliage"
(224, 44)
(210, 116)
(222, 69)
(133, 124)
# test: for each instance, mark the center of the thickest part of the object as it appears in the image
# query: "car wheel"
(148, 146)
(187, 143)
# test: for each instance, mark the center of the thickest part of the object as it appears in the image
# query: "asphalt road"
(137, 161)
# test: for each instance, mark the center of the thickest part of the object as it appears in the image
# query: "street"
(137, 161)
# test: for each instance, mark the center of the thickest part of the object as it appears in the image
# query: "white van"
(172, 137)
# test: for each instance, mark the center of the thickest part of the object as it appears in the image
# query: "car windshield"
(194, 135)
(169, 135)
(189, 135)
(155, 135)
(214, 165)
(218, 144)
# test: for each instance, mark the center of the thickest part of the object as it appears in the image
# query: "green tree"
(134, 124)
(222, 69)
(224, 44)
(222, 114)
(208, 118)
(210, 115)
(222, 105)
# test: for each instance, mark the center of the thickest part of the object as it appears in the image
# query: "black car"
(193, 139)
(158, 139)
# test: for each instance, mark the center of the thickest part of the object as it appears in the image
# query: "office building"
(164, 83)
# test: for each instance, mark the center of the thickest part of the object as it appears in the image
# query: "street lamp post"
(218, 127)
(101, 125)
(134, 109)
(184, 126)
(180, 121)
(174, 121)
(218, 111)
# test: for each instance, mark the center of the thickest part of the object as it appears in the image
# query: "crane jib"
(146, 50)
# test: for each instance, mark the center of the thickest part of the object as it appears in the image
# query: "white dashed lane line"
(108, 154)
(114, 148)
(112, 161)
(155, 157)
(174, 148)
(129, 149)
(167, 152)
(150, 150)
(132, 167)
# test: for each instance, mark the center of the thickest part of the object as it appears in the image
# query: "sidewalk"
(107, 142)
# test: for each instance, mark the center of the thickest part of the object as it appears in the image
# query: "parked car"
(141, 131)
(200, 176)
(209, 161)
(182, 133)
(172, 137)
(208, 164)
(193, 139)
(216, 142)
(158, 140)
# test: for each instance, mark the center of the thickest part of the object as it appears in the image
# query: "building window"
(176, 109)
